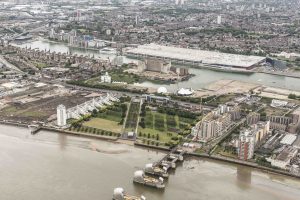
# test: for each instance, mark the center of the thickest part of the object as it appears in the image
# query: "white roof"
(288, 139)
(162, 90)
(10, 85)
(184, 91)
(195, 55)
(139, 173)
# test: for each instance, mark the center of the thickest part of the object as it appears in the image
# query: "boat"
(156, 170)
(141, 178)
(107, 50)
(119, 194)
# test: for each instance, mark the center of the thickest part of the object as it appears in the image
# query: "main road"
(9, 65)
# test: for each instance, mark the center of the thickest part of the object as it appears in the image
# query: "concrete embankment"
(282, 74)
(13, 123)
(86, 135)
(245, 163)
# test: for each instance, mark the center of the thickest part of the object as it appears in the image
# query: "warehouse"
(195, 57)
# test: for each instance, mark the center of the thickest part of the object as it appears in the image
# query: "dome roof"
(118, 191)
(162, 90)
(139, 173)
(185, 91)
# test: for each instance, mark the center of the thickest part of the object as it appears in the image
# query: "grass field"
(104, 124)
(166, 126)
(132, 118)
(12, 110)
(275, 111)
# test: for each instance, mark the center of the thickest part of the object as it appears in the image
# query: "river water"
(202, 77)
(52, 166)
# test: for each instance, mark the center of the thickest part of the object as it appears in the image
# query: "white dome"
(162, 90)
(185, 92)
(138, 174)
(149, 166)
(118, 191)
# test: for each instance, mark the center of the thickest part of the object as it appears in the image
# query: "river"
(202, 77)
(53, 166)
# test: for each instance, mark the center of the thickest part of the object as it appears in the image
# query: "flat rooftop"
(194, 55)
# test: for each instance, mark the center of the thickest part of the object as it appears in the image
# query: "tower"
(219, 19)
(61, 116)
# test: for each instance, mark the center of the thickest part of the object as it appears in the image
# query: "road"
(9, 65)
(120, 93)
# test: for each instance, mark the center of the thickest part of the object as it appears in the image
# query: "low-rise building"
(283, 159)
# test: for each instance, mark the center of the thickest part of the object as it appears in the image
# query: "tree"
(292, 96)
(94, 113)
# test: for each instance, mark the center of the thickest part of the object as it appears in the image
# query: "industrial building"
(154, 65)
(195, 57)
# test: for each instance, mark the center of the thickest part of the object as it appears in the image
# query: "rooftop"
(288, 139)
(195, 55)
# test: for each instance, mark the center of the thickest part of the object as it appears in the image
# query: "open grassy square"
(104, 124)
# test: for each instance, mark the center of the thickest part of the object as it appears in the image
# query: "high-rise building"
(246, 144)
(219, 19)
(105, 78)
(211, 126)
(253, 118)
(61, 116)
(251, 138)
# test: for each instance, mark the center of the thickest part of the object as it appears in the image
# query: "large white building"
(61, 116)
(213, 125)
(194, 57)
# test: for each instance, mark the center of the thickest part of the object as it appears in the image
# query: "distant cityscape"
(217, 80)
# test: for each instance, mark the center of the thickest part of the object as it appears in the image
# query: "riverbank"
(280, 74)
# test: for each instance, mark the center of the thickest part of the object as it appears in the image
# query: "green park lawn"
(104, 124)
